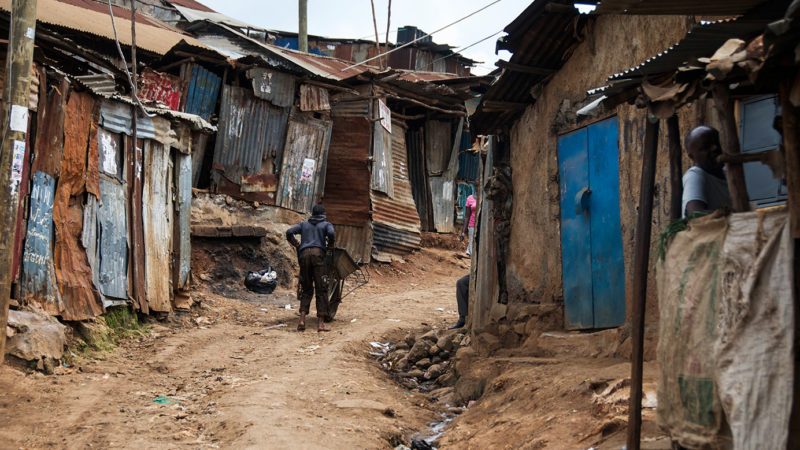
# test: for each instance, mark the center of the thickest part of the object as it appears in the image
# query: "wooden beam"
(729, 137)
(675, 169)
(641, 260)
(791, 148)
(513, 67)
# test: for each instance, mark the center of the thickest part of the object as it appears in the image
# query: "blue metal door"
(591, 237)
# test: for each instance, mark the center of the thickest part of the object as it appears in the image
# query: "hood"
(316, 219)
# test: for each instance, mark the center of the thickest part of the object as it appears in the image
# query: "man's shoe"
(459, 324)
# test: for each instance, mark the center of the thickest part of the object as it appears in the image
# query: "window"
(758, 135)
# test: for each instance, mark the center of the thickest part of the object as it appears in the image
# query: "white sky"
(353, 19)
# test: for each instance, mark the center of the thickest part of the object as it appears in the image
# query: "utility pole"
(19, 62)
(302, 34)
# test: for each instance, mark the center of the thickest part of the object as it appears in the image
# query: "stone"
(402, 346)
(402, 364)
(415, 373)
(435, 371)
(448, 379)
(530, 347)
(519, 328)
(410, 339)
(434, 350)
(423, 363)
(446, 342)
(508, 338)
(418, 351)
(463, 359)
(436, 360)
(486, 343)
(430, 336)
(444, 355)
(498, 311)
(36, 336)
(468, 388)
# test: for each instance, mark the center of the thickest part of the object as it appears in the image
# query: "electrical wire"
(125, 64)
(421, 37)
(459, 50)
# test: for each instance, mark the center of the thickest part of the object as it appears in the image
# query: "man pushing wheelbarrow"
(316, 235)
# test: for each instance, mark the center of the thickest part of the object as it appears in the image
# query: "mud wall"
(534, 271)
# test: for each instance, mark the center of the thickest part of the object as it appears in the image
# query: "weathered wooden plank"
(157, 218)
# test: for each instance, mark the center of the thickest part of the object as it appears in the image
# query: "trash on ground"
(440, 309)
(262, 282)
(354, 319)
(289, 307)
(278, 325)
(310, 349)
(161, 400)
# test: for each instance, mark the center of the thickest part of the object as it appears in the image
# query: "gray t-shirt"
(701, 185)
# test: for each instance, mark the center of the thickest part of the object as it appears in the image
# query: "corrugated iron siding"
(250, 128)
(314, 98)
(443, 189)
(356, 240)
(350, 108)
(113, 241)
(438, 145)
(347, 177)
(38, 281)
(157, 218)
(396, 224)
(201, 96)
(468, 162)
(418, 177)
(382, 179)
(183, 210)
(118, 117)
(275, 87)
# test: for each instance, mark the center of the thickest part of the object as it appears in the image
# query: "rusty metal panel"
(183, 209)
(382, 160)
(304, 159)
(443, 190)
(38, 281)
(110, 154)
(418, 177)
(314, 98)
(438, 145)
(199, 144)
(395, 220)
(81, 300)
(50, 130)
(203, 90)
(117, 117)
(134, 174)
(157, 218)
(483, 280)
(160, 87)
(250, 130)
(247, 191)
(356, 240)
(347, 178)
(353, 108)
(113, 240)
(276, 87)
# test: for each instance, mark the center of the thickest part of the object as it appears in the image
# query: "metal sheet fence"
(201, 96)
(304, 160)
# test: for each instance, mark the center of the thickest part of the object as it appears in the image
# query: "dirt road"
(232, 376)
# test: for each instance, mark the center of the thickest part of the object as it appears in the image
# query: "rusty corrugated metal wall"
(250, 131)
(347, 179)
(157, 218)
(443, 187)
(396, 226)
(202, 91)
(382, 179)
(314, 98)
(275, 87)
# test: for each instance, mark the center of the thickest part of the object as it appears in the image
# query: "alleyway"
(231, 375)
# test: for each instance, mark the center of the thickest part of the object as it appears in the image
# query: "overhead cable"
(459, 50)
(421, 37)
(125, 64)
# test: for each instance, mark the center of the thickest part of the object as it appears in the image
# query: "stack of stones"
(424, 361)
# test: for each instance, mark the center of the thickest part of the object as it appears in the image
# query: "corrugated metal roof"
(701, 41)
(197, 6)
(680, 7)
(538, 39)
(193, 14)
(277, 87)
(101, 84)
(86, 16)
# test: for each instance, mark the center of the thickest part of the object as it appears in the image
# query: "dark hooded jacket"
(313, 233)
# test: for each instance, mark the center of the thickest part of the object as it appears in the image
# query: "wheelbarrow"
(343, 275)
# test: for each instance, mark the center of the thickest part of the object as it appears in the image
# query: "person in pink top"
(469, 212)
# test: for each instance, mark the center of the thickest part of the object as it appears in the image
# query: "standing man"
(316, 234)
(462, 299)
(469, 222)
(704, 185)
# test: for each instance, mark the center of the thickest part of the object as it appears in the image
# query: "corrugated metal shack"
(301, 128)
(102, 221)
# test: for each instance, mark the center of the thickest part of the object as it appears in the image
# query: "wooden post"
(14, 125)
(729, 137)
(640, 268)
(388, 26)
(791, 149)
(302, 29)
(375, 25)
(675, 168)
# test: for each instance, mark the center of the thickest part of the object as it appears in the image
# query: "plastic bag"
(262, 282)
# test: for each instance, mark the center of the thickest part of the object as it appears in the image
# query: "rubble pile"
(424, 361)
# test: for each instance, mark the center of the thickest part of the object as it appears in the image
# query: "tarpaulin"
(80, 298)
(726, 332)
